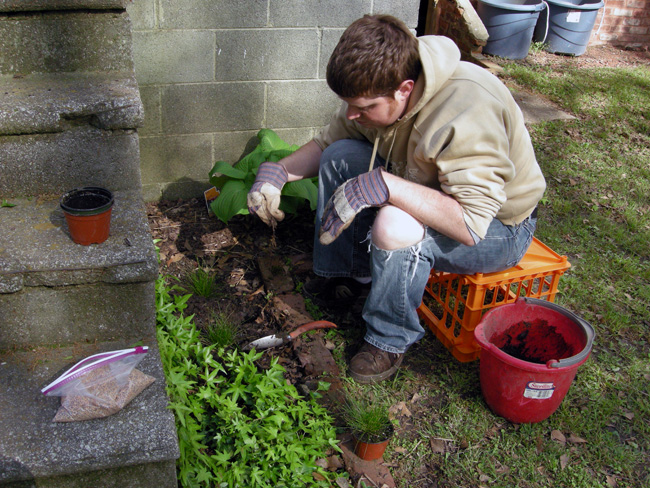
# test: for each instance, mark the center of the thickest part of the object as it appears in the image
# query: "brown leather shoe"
(372, 364)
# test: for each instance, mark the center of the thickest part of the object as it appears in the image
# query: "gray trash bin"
(510, 25)
(566, 25)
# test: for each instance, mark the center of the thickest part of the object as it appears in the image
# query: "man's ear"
(404, 90)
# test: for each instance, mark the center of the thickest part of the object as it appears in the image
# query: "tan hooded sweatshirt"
(464, 134)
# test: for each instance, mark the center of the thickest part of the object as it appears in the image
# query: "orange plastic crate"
(453, 304)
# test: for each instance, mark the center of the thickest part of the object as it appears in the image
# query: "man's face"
(379, 112)
(375, 113)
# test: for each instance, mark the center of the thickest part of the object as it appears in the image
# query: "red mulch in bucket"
(534, 342)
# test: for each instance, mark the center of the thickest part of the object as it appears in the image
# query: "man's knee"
(395, 229)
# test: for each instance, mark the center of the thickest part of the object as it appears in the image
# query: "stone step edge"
(54, 102)
(37, 250)
(44, 5)
(34, 446)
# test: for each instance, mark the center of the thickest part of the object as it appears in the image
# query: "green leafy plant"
(237, 425)
(234, 182)
(5, 203)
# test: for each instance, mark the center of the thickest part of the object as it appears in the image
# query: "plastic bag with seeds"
(99, 385)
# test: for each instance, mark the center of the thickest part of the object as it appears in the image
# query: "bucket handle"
(586, 326)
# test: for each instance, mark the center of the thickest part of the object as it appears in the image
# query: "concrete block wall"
(212, 73)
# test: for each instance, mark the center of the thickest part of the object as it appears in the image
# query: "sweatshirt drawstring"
(374, 154)
(374, 151)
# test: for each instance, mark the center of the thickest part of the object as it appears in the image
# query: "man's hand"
(264, 196)
(356, 194)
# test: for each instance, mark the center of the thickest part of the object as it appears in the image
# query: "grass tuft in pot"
(370, 425)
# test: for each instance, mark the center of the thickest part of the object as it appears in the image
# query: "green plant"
(234, 182)
(237, 425)
(201, 282)
(7, 204)
(367, 419)
(222, 332)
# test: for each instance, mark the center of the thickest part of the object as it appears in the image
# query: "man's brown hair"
(375, 54)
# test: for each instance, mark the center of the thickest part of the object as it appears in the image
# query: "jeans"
(399, 276)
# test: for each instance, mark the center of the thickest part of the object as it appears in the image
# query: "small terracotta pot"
(369, 451)
(88, 214)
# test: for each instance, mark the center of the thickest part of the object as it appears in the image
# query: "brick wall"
(213, 72)
(624, 23)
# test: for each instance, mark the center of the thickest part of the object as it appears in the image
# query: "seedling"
(222, 332)
(201, 282)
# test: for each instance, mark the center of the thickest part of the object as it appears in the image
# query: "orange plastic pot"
(369, 451)
(88, 214)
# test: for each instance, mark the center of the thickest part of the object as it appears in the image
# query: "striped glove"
(356, 194)
(263, 199)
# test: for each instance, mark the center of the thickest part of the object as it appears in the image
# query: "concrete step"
(54, 102)
(55, 291)
(64, 130)
(134, 448)
(44, 5)
(55, 163)
(65, 41)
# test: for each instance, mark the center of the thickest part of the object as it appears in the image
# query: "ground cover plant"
(237, 425)
(596, 211)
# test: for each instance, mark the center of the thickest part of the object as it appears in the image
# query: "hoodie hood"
(440, 58)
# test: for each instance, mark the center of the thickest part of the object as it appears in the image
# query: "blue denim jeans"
(399, 276)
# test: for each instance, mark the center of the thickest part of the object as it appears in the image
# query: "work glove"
(356, 194)
(263, 199)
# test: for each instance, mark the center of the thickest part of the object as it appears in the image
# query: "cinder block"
(232, 146)
(173, 56)
(212, 14)
(142, 14)
(295, 136)
(214, 107)
(184, 189)
(54, 163)
(150, 96)
(266, 54)
(320, 13)
(172, 158)
(406, 10)
(58, 42)
(300, 104)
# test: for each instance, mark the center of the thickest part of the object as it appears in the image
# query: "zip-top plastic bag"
(100, 385)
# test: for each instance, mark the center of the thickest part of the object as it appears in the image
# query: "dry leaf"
(342, 482)
(416, 396)
(574, 439)
(628, 415)
(400, 450)
(564, 460)
(611, 481)
(556, 435)
(174, 259)
(438, 446)
(400, 409)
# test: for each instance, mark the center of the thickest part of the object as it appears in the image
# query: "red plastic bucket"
(530, 353)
